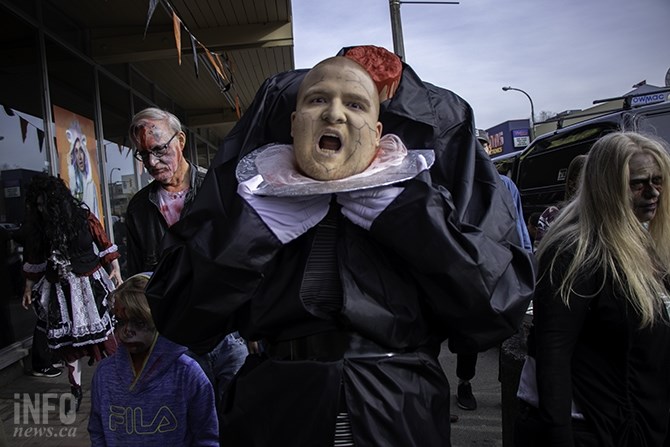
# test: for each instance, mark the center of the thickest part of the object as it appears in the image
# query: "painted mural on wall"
(75, 140)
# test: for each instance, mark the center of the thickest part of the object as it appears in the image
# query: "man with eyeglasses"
(158, 142)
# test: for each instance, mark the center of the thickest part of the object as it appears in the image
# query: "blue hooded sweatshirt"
(169, 403)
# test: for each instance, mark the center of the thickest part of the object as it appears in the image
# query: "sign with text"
(497, 142)
(521, 137)
(651, 98)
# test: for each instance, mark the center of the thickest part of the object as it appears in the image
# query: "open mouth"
(330, 143)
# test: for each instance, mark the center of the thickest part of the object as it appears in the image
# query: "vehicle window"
(541, 173)
(541, 170)
(656, 124)
(505, 163)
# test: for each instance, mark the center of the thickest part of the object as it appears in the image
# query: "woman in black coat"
(601, 333)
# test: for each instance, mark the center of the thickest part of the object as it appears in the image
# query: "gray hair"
(153, 114)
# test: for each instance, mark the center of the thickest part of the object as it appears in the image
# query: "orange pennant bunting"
(220, 62)
(212, 61)
(237, 107)
(176, 24)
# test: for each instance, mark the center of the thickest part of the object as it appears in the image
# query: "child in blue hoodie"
(149, 393)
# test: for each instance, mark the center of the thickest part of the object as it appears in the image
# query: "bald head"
(335, 127)
(348, 71)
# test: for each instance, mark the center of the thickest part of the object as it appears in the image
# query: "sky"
(564, 54)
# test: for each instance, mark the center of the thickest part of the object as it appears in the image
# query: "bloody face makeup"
(151, 139)
(335, 127)
(646, 185)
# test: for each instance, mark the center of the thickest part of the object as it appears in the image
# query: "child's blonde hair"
(131, 295)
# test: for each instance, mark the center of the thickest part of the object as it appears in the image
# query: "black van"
(539, 170)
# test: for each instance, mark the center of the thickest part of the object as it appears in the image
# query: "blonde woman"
(601, 335)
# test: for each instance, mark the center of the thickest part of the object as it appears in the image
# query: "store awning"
(253, 40)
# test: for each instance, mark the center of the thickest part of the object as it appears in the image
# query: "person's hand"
(27, 298)
(27, 293)
(115, 273)
(362, 207)
(287, 217)
(253, 347)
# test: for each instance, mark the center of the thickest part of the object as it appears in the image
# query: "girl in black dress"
(65, 251)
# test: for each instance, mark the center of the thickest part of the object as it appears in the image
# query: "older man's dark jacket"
(442, 261)
(146, 226)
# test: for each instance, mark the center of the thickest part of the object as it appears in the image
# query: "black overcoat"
(442, 261)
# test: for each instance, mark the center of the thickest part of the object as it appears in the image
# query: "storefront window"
(22, 154)
(72, 88)
(120, 164)
(204, 150)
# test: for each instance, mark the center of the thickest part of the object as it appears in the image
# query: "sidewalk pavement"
(31, 413)
(483, 426)
(26, 425)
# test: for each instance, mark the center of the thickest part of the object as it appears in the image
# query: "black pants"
(42, 356)
(530, 431)
(466, 365)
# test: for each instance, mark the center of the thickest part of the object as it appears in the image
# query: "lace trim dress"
(70, 295)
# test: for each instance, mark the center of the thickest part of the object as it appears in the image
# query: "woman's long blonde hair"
(601, 230)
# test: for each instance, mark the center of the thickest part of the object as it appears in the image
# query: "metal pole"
(396, 29)
(532, 110)
(51, 150)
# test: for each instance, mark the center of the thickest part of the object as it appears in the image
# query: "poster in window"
(78, 155)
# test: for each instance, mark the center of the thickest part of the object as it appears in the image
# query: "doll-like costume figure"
(65, 278)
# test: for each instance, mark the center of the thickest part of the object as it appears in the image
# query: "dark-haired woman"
(64, 276)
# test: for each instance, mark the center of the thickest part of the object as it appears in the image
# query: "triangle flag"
(220, 64)
(213, 62)
(150, 13)
(195, 55)
(40, 138)
(176, 24)
(24, 128)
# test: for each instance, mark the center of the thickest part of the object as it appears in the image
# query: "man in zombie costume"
(159, 143)
(352, 281)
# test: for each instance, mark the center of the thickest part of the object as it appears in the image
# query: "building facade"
(74, 73)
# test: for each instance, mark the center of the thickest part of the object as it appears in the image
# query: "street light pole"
(396, 29)
(111, 186)
(111, 173)
(532, 109)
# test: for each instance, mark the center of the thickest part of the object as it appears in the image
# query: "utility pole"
(396, 29)
(396, 23)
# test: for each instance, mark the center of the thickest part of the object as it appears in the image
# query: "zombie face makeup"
(137, 335)
(646, 185)
(159, 149)
(335, 127)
